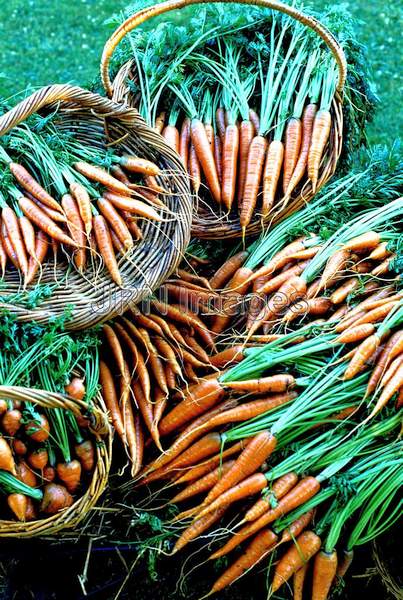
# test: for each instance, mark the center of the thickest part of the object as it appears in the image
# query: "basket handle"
(66, 93)
(147, 13)
(99, 422)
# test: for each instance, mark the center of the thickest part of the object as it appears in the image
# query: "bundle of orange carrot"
(52, 206)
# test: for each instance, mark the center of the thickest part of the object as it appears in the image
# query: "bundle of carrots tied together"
(48, 455)
(55, 198)
(289, 433)
(246, 99)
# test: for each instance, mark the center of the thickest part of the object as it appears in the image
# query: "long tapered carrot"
(41, 220)
(146, 410)
(344, 563)
(206, 158)
(196, 529)
(218, 158)
(227, 270)
(246, 133)
(229, 165)
(135, 164)
(382, 361)
(310, 306)
(187, 317)
(236, 289)
(376, 314)
(160, 121)
(28, 234)
(320, 136)
(305, 547)
(111, 399)
(105, 247)
(171, 135)
(184, 142)
(131, 205)
(253, 554)
(271, 174)
(26, 180)
(247, 487)
(292, 146)
(101, 176)
(75, 226)
(363, 353)
(393, 386)
(15, 236)
(273, 383)
(8, 247)
(307, 126)
(254, 169)
(304, 490)
(366, 241)
(324, 572)
(83, 200)
(355, 333)
(335, 264)
(227, 357)
(194, 169)
(41, 249)
(275, 283)
(280, 259)
(116, 222)
(204, 483)
(279, 488)
(297, 527)
(250, 459)
(131, 436)
(3, 257)
(220, 121)
(298, 582)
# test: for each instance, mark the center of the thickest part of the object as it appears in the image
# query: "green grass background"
(55, 41)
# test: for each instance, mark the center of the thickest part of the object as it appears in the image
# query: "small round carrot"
(184, 142)
(11, 421)
(139, 165)
(83, 200)
(19, 447)
(104, 243)
(279, 488)
(307, 126)
(41, 220)
(271, 174)
(205, 157)
(324, 572)
(38, 429)
(55, 498)
(246, 133)
(6, 457)
(101, 176)
(320, 136)
(298, 582)
(254, 170)
(17, 503)
(304, 548)
(110, 398)
(261, 544)
(86, 454)
(29, 184)
(250, 459)
(69, 473)
(38, 459)
(229, 164)
(25, 474)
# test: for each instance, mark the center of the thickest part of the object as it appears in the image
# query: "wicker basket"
(102, 435)
(205, 222)
(97, 298)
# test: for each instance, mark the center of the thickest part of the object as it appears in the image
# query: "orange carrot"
(204, 483)
(366, 241)
(380, 252)
(271, 174)
(334, 265)
(184, 142)
(194, 169)
(28, 235)
(361, 356)
(210, 134)
(229, 164)
(297, 527)
(307, 126)
(139, 165)
(41, 249)
(101, 176)
(345, 563)
(218, 157)
(275, 283)
(110, 398)
(160, 121)
(254, 119)
(254, 553)
(310, 306)
(83, 200)
(18, 505)
(41, 220)
(292, 146)
(146, 410)
(116, 222)
(246, 134)
(376, 314)
(250, 459)
(298, 582)
(29, 184)
(6, 457)
(341, 293)
(76, 228)
(14, 234)
(279, 488)
(205, 157)
(220, 121)
(38, 459)
(254, 169)
(306, 546)
(55, 498)
(134, 444)
(54, 215)
(275, 383)
(355, 333)
(171, 135)
(320, 136)
(19, 447)
(38, 429)
(324, 572)
(104, 243)
(69, 473)
(85, 454)
(227, 270)
(393, 386)
(280, 259)
(3, 257)
(133, 206)
(196, 529)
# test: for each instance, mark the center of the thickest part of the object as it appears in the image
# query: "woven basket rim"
(153, 258)
(102, 434)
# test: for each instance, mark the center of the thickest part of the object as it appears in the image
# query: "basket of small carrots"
(95, 207)
(55, 437)
(252, 102)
